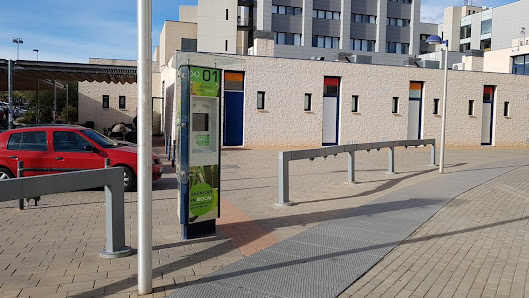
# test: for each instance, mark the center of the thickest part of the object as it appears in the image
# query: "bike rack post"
(432, 155)
(284, 158)
(20, 173)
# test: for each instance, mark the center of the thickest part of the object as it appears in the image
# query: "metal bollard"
(20, 173)
(169, 149)
(165, 143)
(107, 162)
(351, 167)
(391, 162)
(174, 153)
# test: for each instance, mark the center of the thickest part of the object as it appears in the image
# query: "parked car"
(51, 149)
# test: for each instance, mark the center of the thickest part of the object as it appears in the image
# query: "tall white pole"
(144, 147)
(443, 125)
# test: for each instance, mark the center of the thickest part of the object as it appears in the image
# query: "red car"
(50, 149)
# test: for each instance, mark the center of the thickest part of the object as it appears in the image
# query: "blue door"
(233, 113)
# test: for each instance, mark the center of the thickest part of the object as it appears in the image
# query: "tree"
(45, 102)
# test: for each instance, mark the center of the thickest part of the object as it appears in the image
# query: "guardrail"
(110, 178)
(286, 156)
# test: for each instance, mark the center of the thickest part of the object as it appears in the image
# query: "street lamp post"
(37, 95)
(435, 39)
(18, 41)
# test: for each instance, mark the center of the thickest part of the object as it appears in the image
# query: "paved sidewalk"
(324, 260)
(53, 250)
(476, 246)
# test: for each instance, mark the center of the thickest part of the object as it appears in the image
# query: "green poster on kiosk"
(204, 178)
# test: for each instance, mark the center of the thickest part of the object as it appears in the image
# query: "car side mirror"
(91, 148)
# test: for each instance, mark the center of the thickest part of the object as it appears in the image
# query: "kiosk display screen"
(200, 122)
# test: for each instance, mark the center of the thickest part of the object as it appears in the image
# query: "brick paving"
(53, 250)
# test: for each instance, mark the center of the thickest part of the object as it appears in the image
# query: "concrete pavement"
(52, 250)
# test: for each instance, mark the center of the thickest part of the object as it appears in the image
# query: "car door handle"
(59, 158)
(13, 156)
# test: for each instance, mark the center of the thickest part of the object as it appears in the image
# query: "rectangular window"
(486, 26)
(189, 44)
(274, 8)
(233, 81)
(506, 109)
(485, 44)
(471, 107)
(226, 14)
(30, 141)
(307, 106)
(354, 103)
(395, 105)
(226, 45)
(464, 47)
(282, 10)
(436, 106)
(466, 31)
(122, 101)
(260, 100)
(520, 65)
(106, 101)
(331, 85)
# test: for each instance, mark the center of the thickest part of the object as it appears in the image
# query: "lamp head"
(434, 39)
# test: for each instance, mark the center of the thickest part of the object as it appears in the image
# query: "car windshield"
(99, 138)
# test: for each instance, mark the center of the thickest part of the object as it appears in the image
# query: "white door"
(414, 119)
(486, 124)
(330, 120)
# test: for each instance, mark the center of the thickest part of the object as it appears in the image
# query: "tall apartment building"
(387, 30)
(482, 28)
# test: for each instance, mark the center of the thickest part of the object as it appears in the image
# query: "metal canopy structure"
(27, 72)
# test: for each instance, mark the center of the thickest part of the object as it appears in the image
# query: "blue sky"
(73, 30)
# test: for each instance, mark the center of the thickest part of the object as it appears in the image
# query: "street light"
(37, 95)
(18, 41)
(433, 40)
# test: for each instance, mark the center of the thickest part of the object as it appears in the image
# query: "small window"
(14, 141)
(471, 107)
(436, 106)
(122, 102)
(28, 141)
(395, 105)
(226, 14)
(506, 109)
(307, 105)
(354, 102)
(226, 45)
(67, 141)
(106, 100)
(260, 100)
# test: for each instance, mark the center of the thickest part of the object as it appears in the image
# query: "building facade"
(482, 28)
(386, 30)
(293, 102)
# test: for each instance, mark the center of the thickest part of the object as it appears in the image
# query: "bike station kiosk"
(197, 135)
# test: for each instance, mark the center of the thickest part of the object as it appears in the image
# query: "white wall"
(285, 123)
(213, 29)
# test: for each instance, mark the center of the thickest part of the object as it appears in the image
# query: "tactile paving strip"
(325, 260)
